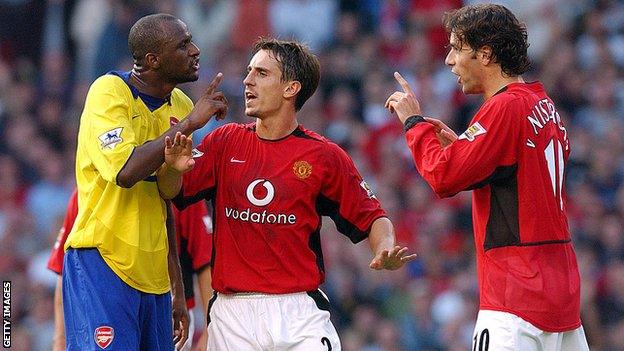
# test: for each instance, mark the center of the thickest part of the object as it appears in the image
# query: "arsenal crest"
(104, 336)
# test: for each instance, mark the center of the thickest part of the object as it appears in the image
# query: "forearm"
(381, 236)
(175, 272)
(59, 323)
(148, 157)
(204, 280)
(169, 182)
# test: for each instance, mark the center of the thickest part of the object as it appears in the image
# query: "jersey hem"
(130, 282)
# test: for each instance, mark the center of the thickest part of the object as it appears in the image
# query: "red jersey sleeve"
(55, 262)
(473, 160)
(347, 199)
(192, 226)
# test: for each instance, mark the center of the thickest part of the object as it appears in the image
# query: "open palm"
(179, 153)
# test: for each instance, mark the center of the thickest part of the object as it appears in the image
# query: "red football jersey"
(513, 156)
(55, 262)
(268, 198)
(194, 239)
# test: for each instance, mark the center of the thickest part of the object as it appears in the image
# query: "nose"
(449, 60)
(248, 79)
(194, 49)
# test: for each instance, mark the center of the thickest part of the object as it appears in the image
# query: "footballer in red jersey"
(270, 183)
(195, 250)
(512, 156)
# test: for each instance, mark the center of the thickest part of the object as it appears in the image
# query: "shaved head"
(149, 34)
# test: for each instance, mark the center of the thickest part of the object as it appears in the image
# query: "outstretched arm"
(149, 157)
(382, 242)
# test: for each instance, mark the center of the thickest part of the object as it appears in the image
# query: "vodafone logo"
(260, 193)
(268, 197)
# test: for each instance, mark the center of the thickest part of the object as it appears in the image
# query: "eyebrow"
(258, 68)
(187, 39)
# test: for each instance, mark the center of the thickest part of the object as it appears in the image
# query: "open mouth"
(195, 65)
(249, 96)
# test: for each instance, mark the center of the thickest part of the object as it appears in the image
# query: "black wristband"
(412, 121)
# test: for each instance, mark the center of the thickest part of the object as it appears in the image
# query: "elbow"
(166, 195)
(125, 181)
(443, 191)
(441, 188)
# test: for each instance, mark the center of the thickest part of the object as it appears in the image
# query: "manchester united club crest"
(104, 336)
(302, 169)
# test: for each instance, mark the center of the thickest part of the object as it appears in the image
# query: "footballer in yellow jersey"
(118, 267)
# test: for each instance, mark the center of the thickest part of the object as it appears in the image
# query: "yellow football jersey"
(127, 226)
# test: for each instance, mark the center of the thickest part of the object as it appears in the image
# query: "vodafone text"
(247, 215)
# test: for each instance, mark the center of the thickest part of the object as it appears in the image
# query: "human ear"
(485, 54)
(292, 88)
(152, 60)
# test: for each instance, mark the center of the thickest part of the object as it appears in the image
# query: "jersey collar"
(153, 103)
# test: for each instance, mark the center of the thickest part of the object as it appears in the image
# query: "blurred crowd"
(50, 51)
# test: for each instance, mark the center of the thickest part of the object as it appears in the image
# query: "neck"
(147, 82)
(276, 127)
(497, 81)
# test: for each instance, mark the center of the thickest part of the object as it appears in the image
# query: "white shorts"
(189, 342)
(295, 322)
(502, 331)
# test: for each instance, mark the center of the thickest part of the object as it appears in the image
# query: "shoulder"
(304, 133)
(332, 151)
(109, 83)
(227, 131)
(178, 96)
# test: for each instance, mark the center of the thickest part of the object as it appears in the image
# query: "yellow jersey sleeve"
(110, 138)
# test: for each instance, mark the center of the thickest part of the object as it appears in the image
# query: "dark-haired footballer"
(270, 182)
(512, 156)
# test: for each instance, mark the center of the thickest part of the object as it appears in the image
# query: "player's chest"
(149, 125)
(265, 175)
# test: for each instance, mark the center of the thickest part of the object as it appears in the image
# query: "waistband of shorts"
(257, 295)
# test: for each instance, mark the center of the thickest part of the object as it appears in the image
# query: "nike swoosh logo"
(236, 161)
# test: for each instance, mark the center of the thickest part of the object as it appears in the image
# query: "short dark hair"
(495, 26)
(297, 63)
(149, 34)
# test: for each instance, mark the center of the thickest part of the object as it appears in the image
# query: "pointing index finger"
(406, 88)
(215, 83)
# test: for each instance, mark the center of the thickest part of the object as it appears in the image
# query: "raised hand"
(211, 103)
(444, 134)
(404, 102)
(391, 259)
(179, 153)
